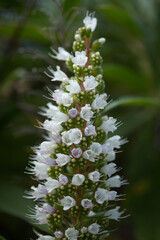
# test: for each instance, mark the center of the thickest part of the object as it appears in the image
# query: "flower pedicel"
(74, 166)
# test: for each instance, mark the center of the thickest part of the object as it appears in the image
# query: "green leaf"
(13, 203)
(126, 76)
(133, 101)
(120, 17)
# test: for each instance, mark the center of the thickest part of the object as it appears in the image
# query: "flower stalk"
(74, 165)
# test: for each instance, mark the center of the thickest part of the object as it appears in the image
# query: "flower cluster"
(75, 164)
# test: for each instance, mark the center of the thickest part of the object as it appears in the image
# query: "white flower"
(73, 87)
(112, 143)
(102, 195)
(37, 192)
(63, 179)
(54, 113)
(41, 213)
(59, 117)
(109, 169)
(68, 202)
(57, 75)
(96, 148)
(80, 58)
(58, 234)
(62, 159)
(90, 155)
(94, 228)
(94, 176)
(49, 111)
(90, 21)
(74, 135)
(90, 83)
(99, 102)
(62, 97)
(86, 112)
(89, 130)
(110, 156)
(78, 179)
(71, 233)
(46, 148)
(39, 169)
(86, 203)
(45, 237)
(115, 181)
(114, 213)
(65, 138)
(108, 124)
(51, 184)
(62, 54)
(52, 126)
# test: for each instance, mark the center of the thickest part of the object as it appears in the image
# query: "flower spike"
(77, 177)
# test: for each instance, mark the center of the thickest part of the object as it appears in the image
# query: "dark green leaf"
(133, 101)
(126, 76)
(120, 17)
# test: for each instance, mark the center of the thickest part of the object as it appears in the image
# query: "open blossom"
(71, 233)
(56, 116)
(62, 54)
(94, 176)
(68, 202)
(94, 228)
(90, 155)
(73, 87)
(115, 181)
(96, 148)
(112, 143)
(114, 213)
(102, 195)
(39, 170)
(99, 102)
(90, 21)
(74, 164)
(62, 98)
(37, 192)
(86, 112)
(90, 83)
(74, 135)
(80, 58)
(109, 169)
(52, 126)
(62, 159)
(51, 184)
(45, 237)
(78, 179)
(109, 124)
(40, 213)
(58, 75)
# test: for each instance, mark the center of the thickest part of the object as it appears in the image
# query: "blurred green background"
(132, 74)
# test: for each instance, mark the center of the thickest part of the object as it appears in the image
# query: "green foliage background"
(131, 71)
